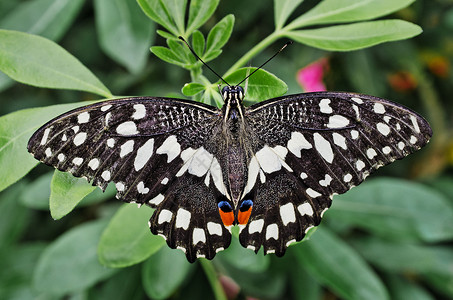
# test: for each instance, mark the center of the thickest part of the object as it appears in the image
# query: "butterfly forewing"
(317, 145)
(154, 150)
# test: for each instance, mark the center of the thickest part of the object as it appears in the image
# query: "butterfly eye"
(225, 207)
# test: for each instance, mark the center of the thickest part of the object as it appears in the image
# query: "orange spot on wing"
(227, 217)
(243, 216)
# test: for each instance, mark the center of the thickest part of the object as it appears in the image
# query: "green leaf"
(37, 61)
(218, 36)
(335, 264)
(74, 254)
(262, 85)
(244, 259)
(159, 268)
(192, 88)
(37, 194)
(47, 18)
(127, 239)
(167, 55)
(406, 258)
(396, 209)
(199, 12)
(198, 42)
(355, 36)
(340, 11)
(66, 192)
(282, 11)
(14, 218)
(125, 33)
(401, 289)
(15, 130)
(181, 51)
(15, 275)
(170, 14)
(165, 35)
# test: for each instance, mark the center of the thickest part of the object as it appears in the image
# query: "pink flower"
(310, 77)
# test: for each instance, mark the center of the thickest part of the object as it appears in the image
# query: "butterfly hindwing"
(151, 148)
(314, 146)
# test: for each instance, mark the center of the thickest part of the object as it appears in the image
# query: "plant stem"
(210, 272)
(254, 51)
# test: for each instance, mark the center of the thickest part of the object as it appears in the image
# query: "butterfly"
(271, 168)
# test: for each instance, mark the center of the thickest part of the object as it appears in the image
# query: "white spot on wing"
(77, 161)
(401, 145)
(326, 181)
(324, 106)
(140, 111)
(80, 138)
(171, 147)
(415, 124)
(268, 160)
(201, 162)
(323, 147)
(297, 143)
(357, 100)
(383, 128)
(164, 216)
(106, 107)
(339, 140)
(354, 134)
(312, 193)
(120, 186)
(183, 218)
(127, 148)
(141, 188)
(413, 140)
(256, 226)
(157, 200)
(305, 209)
(214, 228)
(287, 213)
(359, 164)
(379, 108)
(371, 153)
(164, 181)
(272, 232)
(198, 236)
(45, 136)
(93, 164)
(127, 128)
(61, 157)
(48, 152)
(337, 121)
(83, 117)
(111, 142)
(386, 150)
(347, 178)
(106, 175)
(144, 153)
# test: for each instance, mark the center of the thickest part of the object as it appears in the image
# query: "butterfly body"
(271, 168)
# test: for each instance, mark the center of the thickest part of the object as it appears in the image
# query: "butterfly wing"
(152, 149)
(313, 146)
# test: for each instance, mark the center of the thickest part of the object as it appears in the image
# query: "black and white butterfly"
(271, 168)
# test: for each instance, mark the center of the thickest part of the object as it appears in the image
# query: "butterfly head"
(233, 95)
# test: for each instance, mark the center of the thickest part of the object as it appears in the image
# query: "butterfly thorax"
(235, 138)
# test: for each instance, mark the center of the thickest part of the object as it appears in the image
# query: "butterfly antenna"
(194, 54)
(281, 49)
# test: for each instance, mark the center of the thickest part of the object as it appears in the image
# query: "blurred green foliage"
(390, 238)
